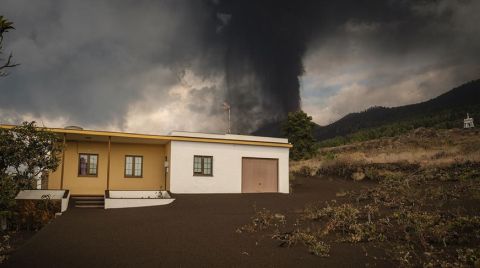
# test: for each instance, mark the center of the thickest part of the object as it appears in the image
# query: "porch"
(93, 164)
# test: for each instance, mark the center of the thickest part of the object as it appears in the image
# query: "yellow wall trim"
(157, 137)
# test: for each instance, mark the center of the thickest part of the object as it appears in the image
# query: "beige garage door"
(259, 175)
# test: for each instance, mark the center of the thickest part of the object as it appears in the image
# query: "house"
(94, 162)
(468, 122)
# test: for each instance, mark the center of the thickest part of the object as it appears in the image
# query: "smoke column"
(265, 43)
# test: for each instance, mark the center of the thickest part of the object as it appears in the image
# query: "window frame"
(202, 166)
(133, 167)
(88, 165)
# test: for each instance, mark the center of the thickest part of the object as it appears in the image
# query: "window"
(202, 165)
(87, 164)
(133, 166)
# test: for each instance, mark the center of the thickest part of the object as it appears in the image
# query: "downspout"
(108, 162)
(165, 167)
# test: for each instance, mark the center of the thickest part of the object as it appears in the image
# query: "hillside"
(449, 107)
(444, 111)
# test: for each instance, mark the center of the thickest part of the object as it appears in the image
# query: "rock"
(279, 216)
(358, 176)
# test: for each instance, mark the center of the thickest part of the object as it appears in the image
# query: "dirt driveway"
(195, 230)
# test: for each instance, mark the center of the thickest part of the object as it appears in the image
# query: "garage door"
(259, 175)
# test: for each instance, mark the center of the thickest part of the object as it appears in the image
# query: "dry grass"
(421, 146)
(418, 215)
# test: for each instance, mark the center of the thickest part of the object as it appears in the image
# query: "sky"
(158, 66)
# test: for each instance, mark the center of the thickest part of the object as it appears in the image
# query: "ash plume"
(265, 42)
(265, 45)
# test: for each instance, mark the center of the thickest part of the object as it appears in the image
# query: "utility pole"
(226, 106)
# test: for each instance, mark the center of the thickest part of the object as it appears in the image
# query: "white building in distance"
(468, 122)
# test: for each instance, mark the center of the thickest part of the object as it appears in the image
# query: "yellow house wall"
(54, 178)
(153, 170)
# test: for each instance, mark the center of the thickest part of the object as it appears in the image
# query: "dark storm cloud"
(429, 48)
(89, 61)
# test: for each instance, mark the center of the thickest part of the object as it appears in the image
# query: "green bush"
(8, 191)
(298, 128)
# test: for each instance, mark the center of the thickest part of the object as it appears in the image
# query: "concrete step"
(88, 201)
(86, 197)
(89, 206)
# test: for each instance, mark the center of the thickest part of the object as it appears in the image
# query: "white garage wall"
(227, 166)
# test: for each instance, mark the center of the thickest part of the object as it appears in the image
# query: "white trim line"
(226, 137)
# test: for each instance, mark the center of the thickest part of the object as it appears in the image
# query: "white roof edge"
(227, 136)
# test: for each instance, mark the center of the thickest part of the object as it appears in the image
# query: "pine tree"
(298, 129)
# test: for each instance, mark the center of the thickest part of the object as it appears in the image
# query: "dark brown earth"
(195, 230)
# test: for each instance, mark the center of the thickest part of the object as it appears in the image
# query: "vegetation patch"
(359, 170)
(5, 247)
(263, 219)
(34, 214)
(418, 216)
(305, 237)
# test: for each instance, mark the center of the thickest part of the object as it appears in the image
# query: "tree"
(26, 151)
(298, 128)
(5, 26)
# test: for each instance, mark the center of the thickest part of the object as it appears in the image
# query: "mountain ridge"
(452, 103)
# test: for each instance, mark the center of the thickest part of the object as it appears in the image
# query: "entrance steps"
(88, 201)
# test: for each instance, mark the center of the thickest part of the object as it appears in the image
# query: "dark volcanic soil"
(195, 230)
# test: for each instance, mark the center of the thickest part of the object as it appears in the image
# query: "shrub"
(262, 220)
(319, 248)
(338, 217)
(34, 214)
(363, 232)
(8, 191)
(338, 168)
(307, 238)
(306, 171)
(4, 247)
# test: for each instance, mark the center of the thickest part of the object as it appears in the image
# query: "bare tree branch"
(7, 64)
(5, 26)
